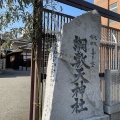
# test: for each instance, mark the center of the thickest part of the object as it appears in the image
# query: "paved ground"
(14, 95)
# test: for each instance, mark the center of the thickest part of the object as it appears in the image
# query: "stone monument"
(73, 84)
(112, 93)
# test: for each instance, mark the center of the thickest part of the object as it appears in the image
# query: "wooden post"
(32, 85)
(35, 101)
(26, 61)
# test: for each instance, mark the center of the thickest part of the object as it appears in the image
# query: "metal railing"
(106, 49)
(107, 46)
(109, 55)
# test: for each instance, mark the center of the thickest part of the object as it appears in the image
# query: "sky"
(73, 11)
(66, 10)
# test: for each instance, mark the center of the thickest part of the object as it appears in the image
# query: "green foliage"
(7, 44)
(13, 11)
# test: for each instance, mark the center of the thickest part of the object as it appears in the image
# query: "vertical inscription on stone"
(93, 45)
(51, 76)
(115, 88)
(119, 86)
(80, 50)
(80, 55)
(112, 87)
(55, 55)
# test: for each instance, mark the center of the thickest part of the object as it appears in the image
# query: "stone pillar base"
(105, 117)
(112, 109)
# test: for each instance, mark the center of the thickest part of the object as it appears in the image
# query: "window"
(114, 8)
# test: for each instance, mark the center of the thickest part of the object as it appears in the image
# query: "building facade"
(110, 36)
(112, 5)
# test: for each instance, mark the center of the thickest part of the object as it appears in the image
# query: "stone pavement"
(14, 95)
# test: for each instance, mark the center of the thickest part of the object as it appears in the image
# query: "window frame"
(111, 9)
